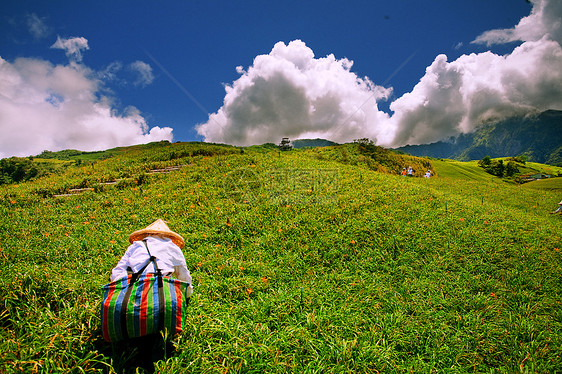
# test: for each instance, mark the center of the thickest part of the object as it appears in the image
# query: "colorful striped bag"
(143, 304)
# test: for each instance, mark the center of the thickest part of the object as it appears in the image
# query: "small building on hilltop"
(285, 144)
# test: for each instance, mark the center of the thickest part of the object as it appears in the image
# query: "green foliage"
(511, 169)
(496, 167)
(516, 169)
(72, 154)
(520, 159)
(384, 160)
(555, 158)
(18, 169)
(324, 265)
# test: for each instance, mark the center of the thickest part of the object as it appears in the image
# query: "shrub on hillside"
(486, 161)
(387, 161)
(499, 168)
(17, 169)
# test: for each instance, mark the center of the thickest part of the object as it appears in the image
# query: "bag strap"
(151, 259)
(160, 288)
(127, 296)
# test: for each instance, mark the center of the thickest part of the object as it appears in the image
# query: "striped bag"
(143, 304)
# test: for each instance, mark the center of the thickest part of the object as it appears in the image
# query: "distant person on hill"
(403, 172)
(559, 210)
(410, 171)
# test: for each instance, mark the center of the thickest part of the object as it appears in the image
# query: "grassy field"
(305, 261)
(551, 184)
(468, 171)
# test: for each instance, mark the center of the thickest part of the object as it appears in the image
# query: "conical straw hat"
(158, 227)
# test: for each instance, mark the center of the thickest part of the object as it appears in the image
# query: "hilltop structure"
(285, 144)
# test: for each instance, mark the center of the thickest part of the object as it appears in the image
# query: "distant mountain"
(303, 143)
(539, 137)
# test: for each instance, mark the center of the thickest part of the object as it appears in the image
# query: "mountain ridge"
(537, 136)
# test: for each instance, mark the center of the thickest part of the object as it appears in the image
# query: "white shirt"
(169, 258)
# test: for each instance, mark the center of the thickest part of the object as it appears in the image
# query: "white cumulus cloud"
(545, 20)
(456, 97)
(53, 107)
(289, 92)
(73, 47)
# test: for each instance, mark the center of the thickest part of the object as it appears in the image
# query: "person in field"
(559, 210)
(162, 243)
(165, 245)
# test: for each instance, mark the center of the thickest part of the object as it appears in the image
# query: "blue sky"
(113, 71)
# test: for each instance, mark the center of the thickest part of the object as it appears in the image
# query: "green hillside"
(462, 170)
(315, 260)
(551, 184)
(472, 170)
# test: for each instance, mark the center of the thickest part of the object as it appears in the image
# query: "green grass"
(550, 184)
(542, 168)
(325, 265)
(462, 170)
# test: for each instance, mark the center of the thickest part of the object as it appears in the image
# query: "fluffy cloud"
(45, 106)
(73, 47)
(545, 20)
(456, 97)
(289, 92)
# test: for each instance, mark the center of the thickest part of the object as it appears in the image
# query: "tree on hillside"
(366, 145)
(486, 161)
(16, 169)
(511, 169)
(498, 168)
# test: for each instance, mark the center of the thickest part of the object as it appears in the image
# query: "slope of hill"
(539, 137)
(462, 170)
(366, 154)
(551, 184)
(18, 169)
(303, 261)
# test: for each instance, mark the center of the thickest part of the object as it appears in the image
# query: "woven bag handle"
(160, 288)
(127, 296)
